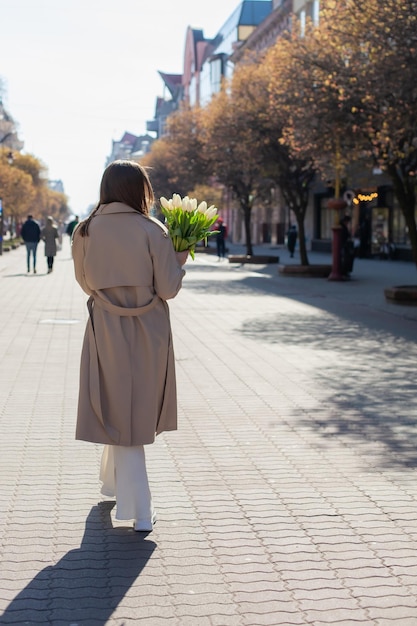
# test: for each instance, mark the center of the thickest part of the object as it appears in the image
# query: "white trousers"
(124, 476)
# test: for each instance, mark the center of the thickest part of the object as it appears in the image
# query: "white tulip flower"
(202, 207)
(189, 204)
(211, 211)
(176, 201)
(167, 204)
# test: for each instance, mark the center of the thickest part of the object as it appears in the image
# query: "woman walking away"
(50, 235)
(125, 261)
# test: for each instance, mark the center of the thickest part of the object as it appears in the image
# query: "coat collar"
(115, 207)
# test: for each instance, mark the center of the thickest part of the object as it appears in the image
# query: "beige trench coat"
(128, 267)
(50, 235)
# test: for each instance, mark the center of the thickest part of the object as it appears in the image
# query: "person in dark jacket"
(221, 227)
(71, 226)
(31, 234)
(292, 239)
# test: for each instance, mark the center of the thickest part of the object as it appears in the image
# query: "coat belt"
(122, 311)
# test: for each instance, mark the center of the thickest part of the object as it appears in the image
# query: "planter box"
(313, 271)
(259, 259)
(205, 250)
(403, 294)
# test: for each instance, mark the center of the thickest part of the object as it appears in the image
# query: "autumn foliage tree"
(184, 130)
(316, 104)
(24, 189)
(348, 87)
(16, 188)
(233, 142)
(385, 43)
(289, 171)
(160, 165)
(340, 92)
(244, 130)
(176, 162)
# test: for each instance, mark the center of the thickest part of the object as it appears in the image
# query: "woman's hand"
(182, 257)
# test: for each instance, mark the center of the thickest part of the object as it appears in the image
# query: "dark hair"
(126, 182)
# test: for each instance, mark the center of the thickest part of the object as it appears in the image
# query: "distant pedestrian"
(31, 234)
(221, 238)
(292, 239)
(50, 235)
(70, 227)
(125, 261)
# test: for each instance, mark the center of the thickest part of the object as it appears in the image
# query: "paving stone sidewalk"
(287, 497)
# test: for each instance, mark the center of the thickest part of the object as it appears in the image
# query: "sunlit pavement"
(289, 493)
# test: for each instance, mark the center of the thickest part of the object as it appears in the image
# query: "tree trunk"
(404, 189)
(296, 197)
(302, 240)
(247, 209)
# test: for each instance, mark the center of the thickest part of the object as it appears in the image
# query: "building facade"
(219, 65)
(8, 133)
(271, 218)
(130, 147)
(378, 224)
(56, 185)
(207, 62)
(166, 105)
(255, 26)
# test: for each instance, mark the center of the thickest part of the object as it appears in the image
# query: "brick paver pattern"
(288, 495)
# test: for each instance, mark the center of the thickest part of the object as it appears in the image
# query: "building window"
(216, 75)
(310, 11)
(302, 23)
(316, 12)
(194, 95)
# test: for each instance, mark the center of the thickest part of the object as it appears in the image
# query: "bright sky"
(79, 73)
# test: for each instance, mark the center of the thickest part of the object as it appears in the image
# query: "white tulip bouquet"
(187, 222)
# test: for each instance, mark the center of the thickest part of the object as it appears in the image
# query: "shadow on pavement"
(359, 364)
(31, 275)
(369, 382)
(88, 583)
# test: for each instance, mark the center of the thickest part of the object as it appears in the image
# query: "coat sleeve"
(77, 248)
(168, 273)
